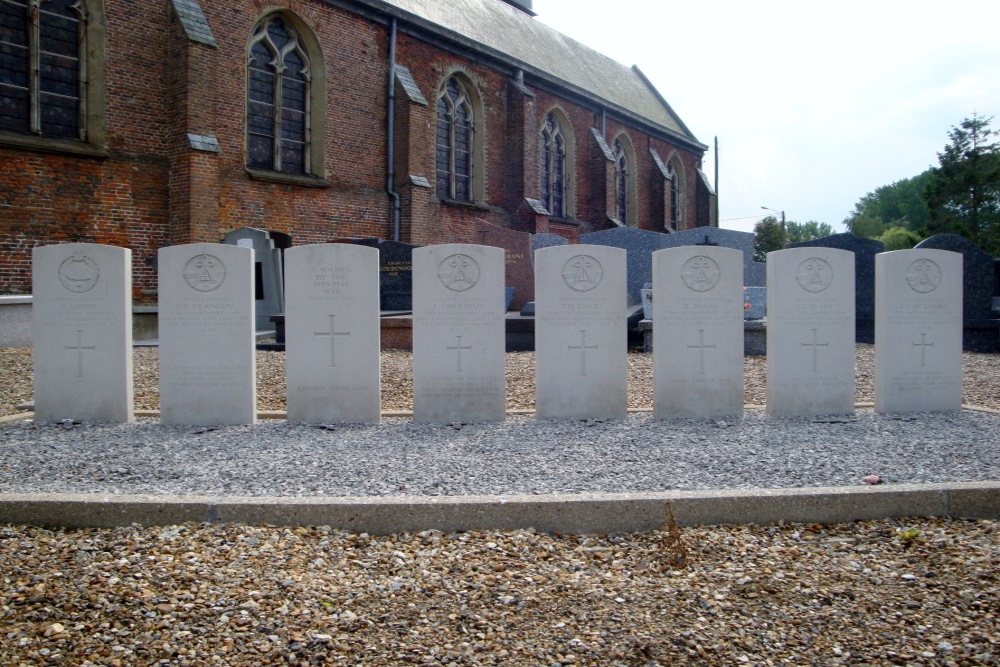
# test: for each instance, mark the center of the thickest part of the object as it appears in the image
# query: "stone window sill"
(51, 145)
(288, 179)
(570, 222)
(458, 203)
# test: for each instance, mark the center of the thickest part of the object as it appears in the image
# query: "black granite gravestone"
(639, 247)
(981, 326)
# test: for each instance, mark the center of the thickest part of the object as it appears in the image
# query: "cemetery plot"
(810, 332)
(332, 333)
(580, 332)
(82, 322)
(206, 322)
(458, 333)
(698, 332)
(918, 331)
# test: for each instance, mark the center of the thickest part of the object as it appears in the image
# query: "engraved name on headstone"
(918, 331)
(206, 329)
(332, 333)
(810, 332)
(458, 333)
(697, 332)
(82, 322)
(580, 332)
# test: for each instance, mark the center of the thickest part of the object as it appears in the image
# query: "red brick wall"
(154, 190)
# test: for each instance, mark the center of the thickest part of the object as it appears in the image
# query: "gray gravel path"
(519, 456)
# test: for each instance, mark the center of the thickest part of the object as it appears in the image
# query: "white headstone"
(581, 339)
(697, 332)
(332, 333)
(207, 338)
(458, 333)
(810, 332)
(918, 331)
(82, 322)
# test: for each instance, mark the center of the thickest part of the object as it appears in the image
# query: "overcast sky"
(814, 105)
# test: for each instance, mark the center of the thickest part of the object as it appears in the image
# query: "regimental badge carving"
(814, 275)
(79, 273)
(923, 276)
(459, 272)
(582, 273)
(204, 272)
(700, 273)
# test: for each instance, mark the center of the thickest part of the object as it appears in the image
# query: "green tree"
(900, 204)
(963, 193)
(899, 238)
(806, 231)
(768, 235)
(868, 226)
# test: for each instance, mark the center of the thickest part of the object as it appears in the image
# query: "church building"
(148, 123)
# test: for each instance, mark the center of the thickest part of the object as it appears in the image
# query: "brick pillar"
(521, 153)
(194, 168)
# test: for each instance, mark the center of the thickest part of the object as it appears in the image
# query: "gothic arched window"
(43, 68)
(454, 142)
(278, 99)
(553, 167)
(675, 196)
(623, 174)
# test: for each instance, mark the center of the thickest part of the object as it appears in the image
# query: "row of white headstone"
(83, 333)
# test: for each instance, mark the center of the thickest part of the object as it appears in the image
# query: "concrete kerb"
(571, 514)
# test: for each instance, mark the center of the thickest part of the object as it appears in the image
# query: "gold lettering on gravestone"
(582, 273)
(459, 347)
(923, 276)
(814, 275)
(701, 347)
(583, 347)
(79, 273)
(80, 349)
(458, 272)
(700, 273)
(204, 272)
(332, 333)
(815, 345)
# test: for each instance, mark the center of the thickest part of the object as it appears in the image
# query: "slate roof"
(508, 34)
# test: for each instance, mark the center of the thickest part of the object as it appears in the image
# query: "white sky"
(814, 104)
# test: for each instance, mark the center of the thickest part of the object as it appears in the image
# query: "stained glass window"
(278, 80)
(553, 167)
(41, 87)
(453, 142)
(621, 181)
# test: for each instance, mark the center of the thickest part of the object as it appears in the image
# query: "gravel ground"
(981, 379)
(915, 592)
(923, 592)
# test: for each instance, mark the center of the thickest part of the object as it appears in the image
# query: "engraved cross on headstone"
(583, 347)
(701, 347)
(459, 347)
(80, 349)
(923, 345)
(333, 333)
(815, 345)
